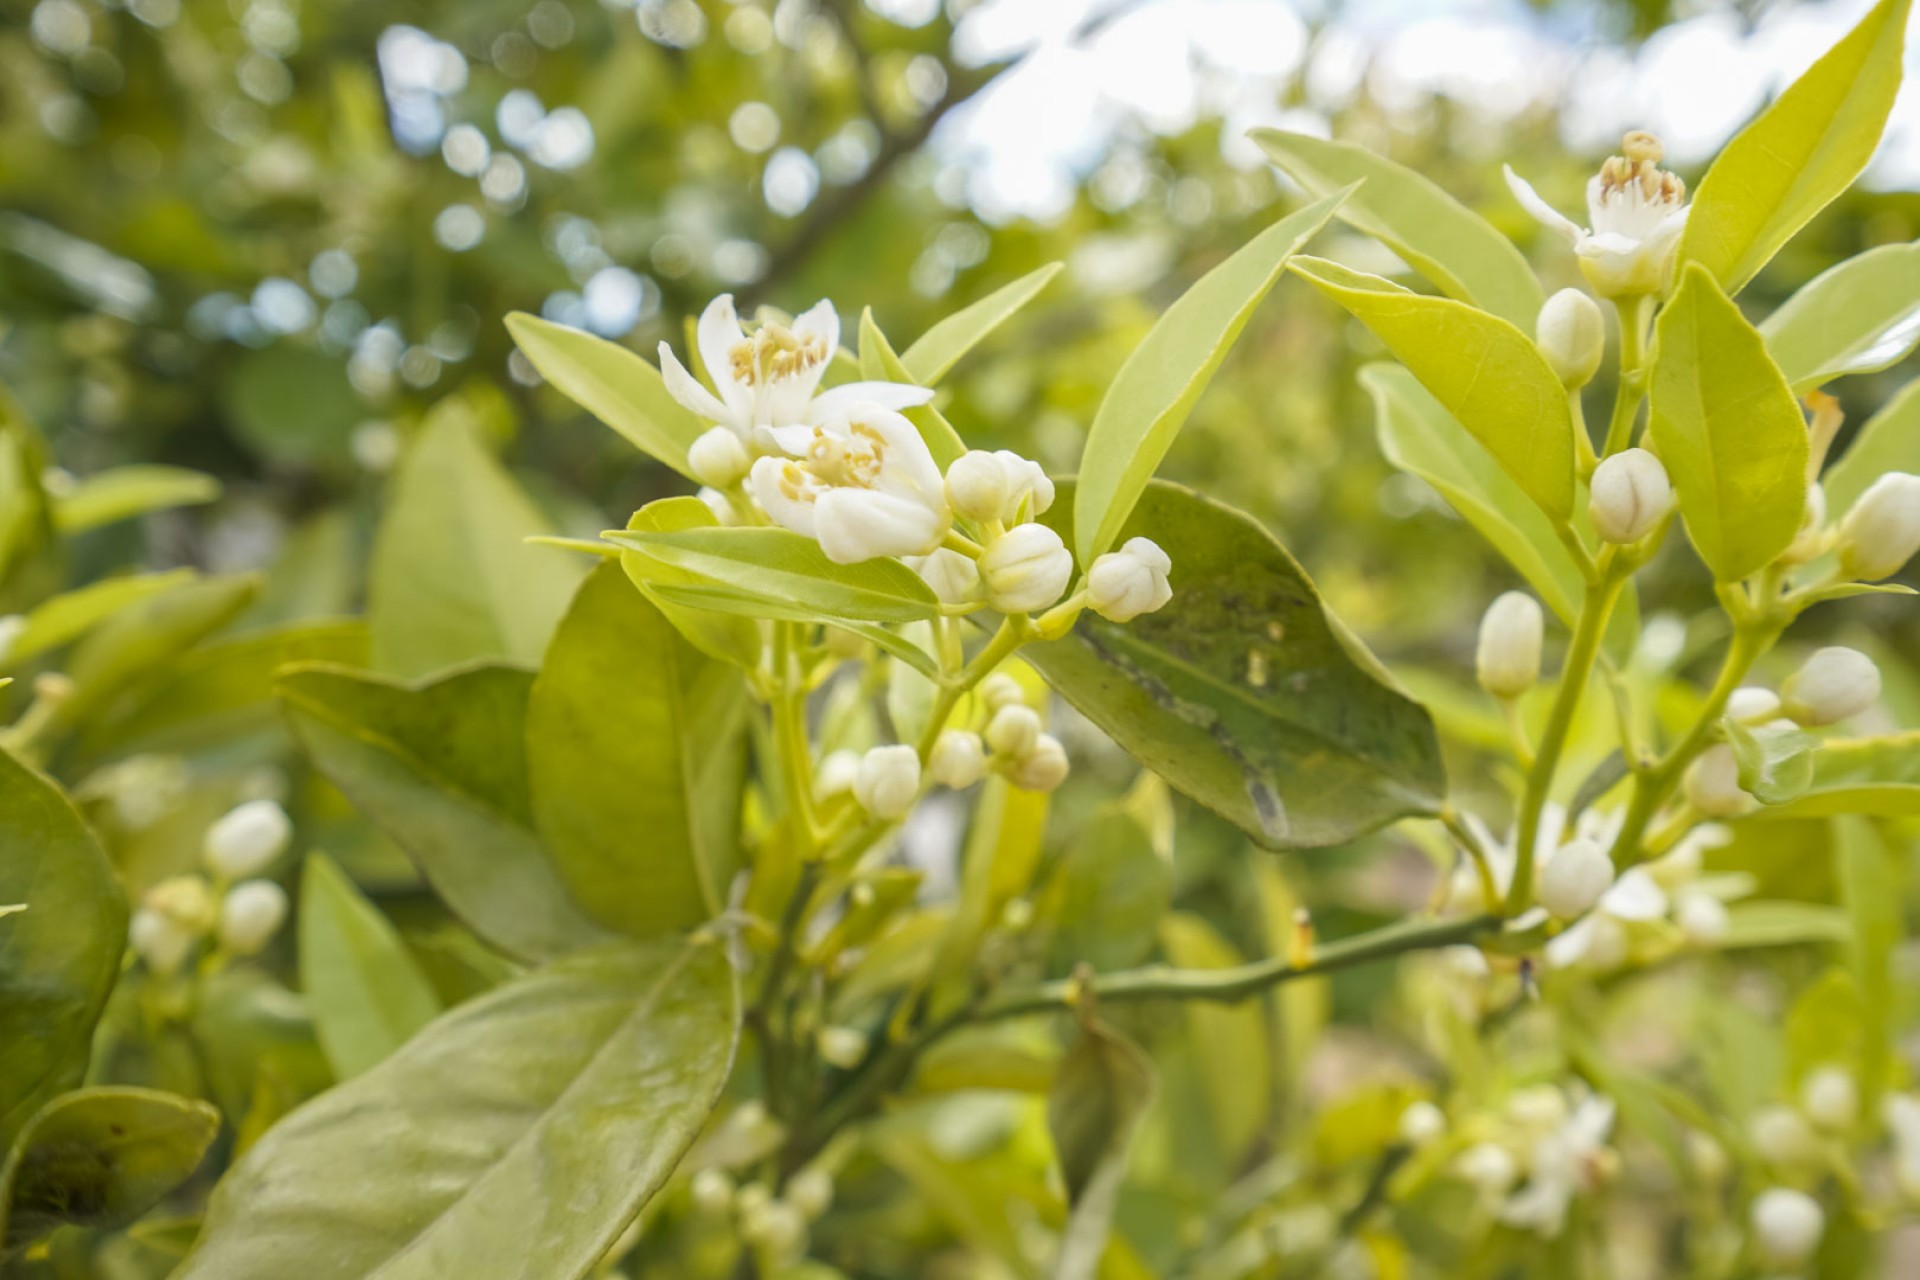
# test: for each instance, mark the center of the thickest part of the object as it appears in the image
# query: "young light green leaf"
(59, 957)
(1487, 373)
(1105, 896)
(1870, 883)
(1783, 924)
(1104, 1086)
(612, 383)
(786, 568)
(441, 767)
(122, 492)
(878, 363)
(1233, 1047)
(734, 639)
(366, 991)
(1726, 425)
(453, 577)
(72, 614)
(99, 1158)
(1888, 441)
(1441, 238)
(635, 761)
(1800, 153)
(720, 599)
(942, 346)
(1858, 317)
(1243, 692)
(1876, 777)
(1775, 764)
(546, 1113)
(1156, 388)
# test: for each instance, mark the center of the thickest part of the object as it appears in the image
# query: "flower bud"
(718, 503)
(719, 458)
(1811, 539)
(1708, 1158)
(248, 838)
(1421, 1123)
(1014, 729)
(1126, 583)
(1782, 1137)
(1489, 1166)
(184, 900)
(1750, 704)
(834, 775)
(1702, 918)
(1882, 530)
(811, 1192)
(842, 1047)
(1630, 494)
(1712, 784)
(250, 914)
(159, 940)
(977, 486)
(1026, 568)
(712, 1192)
(888, 781)
(777, 1227)
(1830, 1098)
(1000, 690)
(1028, 487)
(1574, 878)
(1043, 767)
(953, 578)
(1832, 685)
(1787, 1225)
(1572, 334)
(1508, 659)
(959, 759)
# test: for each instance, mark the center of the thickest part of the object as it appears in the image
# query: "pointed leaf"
(123, 492)
(1888, 441)
(366, 991)
(1858, 317)
(71, 614)
(878, 363)
(786, 568)
(942, 346)
(1105, 1085)
(612, 383)
(729, 638)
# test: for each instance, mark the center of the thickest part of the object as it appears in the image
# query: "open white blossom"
(1636, 211)
(1566, 1161)
(863, 485)
(771, 377)
(1634, 898)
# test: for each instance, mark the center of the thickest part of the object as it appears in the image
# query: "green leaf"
(1487, 373)
(100, 1158)
(1784, 923)
(1156, 388)
(518, 1135)
(1105, 896)
(72, 614)
(1104, 1086)
(942, 346)
(1857, 317)
(453, 577)
(1438, 236)
(58, 958)
(1244, 692)
(1231, 1042)
(123, 492)
(1775, 764)
(785, 568)
(635, 762)
(1726, 425)
(613, 384)
(721, 600)
(1800, 153)
(1888, 441)
(879, 364)
(441, 767)
(711, 630)
(1872, 890)
(366, 991)
(1874, 777)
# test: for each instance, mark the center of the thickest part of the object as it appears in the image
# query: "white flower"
(888, 781)
(1630, 494)
(1832, 685)
(159, 940)
(1787, 1225)
(1881, 531)
(1712, 784)
(250, 915)
(1574, 878)
(1572, 334)
(862, 486)
(953, 577)
(1421, 1123)
(1830, 1097)
(998, 486)
(1043, 767)
(959, 759)
(1702, 917)
(1507, 659)
(719, 458)
(246, 839)
(1752, 704)
(835, 774)
(1126, 583)
(1600, 939)
(1013, 730)
(769, 378)
(1570, 1159)
(1636, 210)
(1025, 569)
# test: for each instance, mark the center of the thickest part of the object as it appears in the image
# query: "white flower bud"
(1000, 690)
(1630, 494)
(719, 458)
(1044, 766)
(1026, 568)
(1783, 1138)
(1126, 583)
(953, 578)
(184, 900)
(1832, 685)
(246, 840)
(1830, 1098)
(835, 774)
(1572, 334)
(1013, 730)
(1750, 704)
(712, 1192)
(751, 1199)
(250, 914)
(1027, 485)
(777, 1227)
(888, 781)
(1707, 1156)
(159, 940)
(1539, 1107)
(1712, 784)
(1882, 530)
(842, 1047)
(1811, 539)
(1787, 1225)
(811, 1192)
(1607, 942)
(959, 759)
(1508, 658)
(1421, 1123)
(1489, 1166)
(1702, 918)
(1574, 878)
(977, 486)
(718, 503)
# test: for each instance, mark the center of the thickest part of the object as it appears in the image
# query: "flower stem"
(1626, 398)
(1015, 630)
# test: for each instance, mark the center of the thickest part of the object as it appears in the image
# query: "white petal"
(684, 387)
(910, 469)
(794, 441)
(717, 334)
(1568, 949)
(1548, 216)
(859, 524)
(797, 514)
(836, 402)
(822, 321)
(1635, 896)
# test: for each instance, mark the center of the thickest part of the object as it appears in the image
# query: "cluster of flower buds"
(776, 1225)
(1543, 1150)
(229, 903)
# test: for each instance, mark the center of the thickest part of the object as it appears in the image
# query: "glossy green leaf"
(1888, 441)
(1872, 889)
(441, 767)
(1726, 425)
(942, 346)
(1776, 764)
(612, 383)
(1857, 317)
(1105, 896)
(100, 1158)
(716, 599)
(1437, 235)
(71, 614)
(366, 991)
(123, 492)
(718, 633)
(1149, 399)
(1244, 692)
(453, 578)
(1003, 849)
(1875, 777)
(878, 363)
(58, 958)
(1487, 373)
(1104, 1086)
(1802, 151)
(517, 1136)
(786, 568)
(1231, 1040)
(635, 762)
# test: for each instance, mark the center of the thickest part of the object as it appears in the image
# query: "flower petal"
(684, 387)
(786, 493)
(1635, 896)
(794, 441)
(835, 402)
(910, 470)
(1548, 216)
(859, 524)
(717, 334)
(821, 321)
